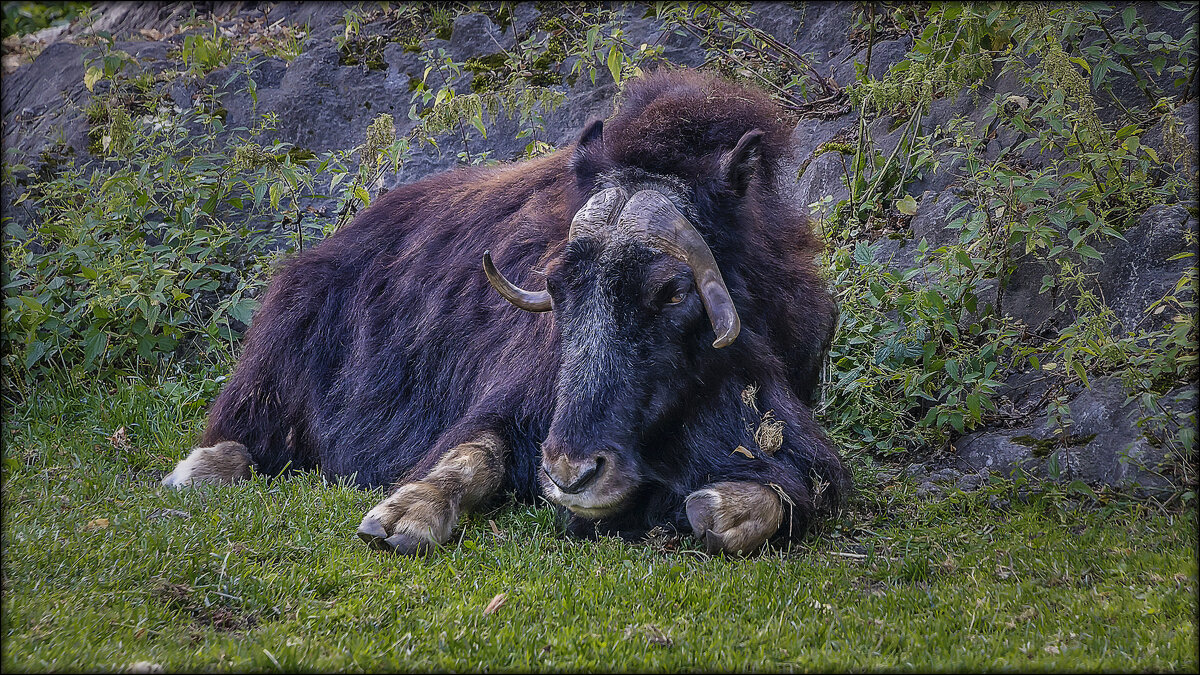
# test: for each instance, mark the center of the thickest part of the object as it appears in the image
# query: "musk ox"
(658, 367)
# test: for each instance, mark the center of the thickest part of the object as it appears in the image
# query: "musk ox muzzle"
(591, 483)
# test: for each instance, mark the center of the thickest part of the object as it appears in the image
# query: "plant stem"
(913, 139)
(462, 133)
(1137, 74)
(870, 37)
(1191, 86)
(858, 163)
(886, 165)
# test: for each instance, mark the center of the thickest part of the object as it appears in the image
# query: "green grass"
(269, 575)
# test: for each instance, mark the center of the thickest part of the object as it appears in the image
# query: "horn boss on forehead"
(599, 215)
(652, 217)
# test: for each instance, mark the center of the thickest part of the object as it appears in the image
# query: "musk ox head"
(644, 316)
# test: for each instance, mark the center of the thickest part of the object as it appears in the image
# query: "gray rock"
(524, 14)
(822, 179)
(51, 90)
(885, 132)
(947, 475)
(321, 104)
(808, 179)
(969, 482)
(996, 451)
(122, 19)
(928, 489)
(1023, 297)
(915, 470)
(323, 19)
(1104, 444)
(886, 54)
(1136, 272)
(475, 34)
(1024, 391)
(821, 34)
(972, 106)
(784, 23)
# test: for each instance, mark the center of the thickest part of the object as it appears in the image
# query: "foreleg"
(420, 515)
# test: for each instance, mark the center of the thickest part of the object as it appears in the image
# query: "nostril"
(581, 480)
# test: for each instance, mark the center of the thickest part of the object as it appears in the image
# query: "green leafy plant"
(134, 262)
(156, 256)
(21, 18)
(202, 53)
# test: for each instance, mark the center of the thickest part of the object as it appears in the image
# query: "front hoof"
(701, 513)
(414, 519)
(713, 542)
(403, 544)
(734, 517)
(372, 532)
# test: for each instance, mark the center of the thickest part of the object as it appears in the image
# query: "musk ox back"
(632, 326)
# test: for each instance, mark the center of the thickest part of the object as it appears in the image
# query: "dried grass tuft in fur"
(750, 396)
(769, 435)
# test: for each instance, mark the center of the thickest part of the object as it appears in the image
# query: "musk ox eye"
(672, 294)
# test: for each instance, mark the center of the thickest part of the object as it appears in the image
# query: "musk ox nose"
(574, 475)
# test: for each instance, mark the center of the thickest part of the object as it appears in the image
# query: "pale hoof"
(414, 519)
(371, 531)
(734, 517)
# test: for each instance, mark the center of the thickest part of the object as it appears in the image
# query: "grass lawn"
(102, 568)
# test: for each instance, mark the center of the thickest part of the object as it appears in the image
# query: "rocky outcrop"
(1104, 443)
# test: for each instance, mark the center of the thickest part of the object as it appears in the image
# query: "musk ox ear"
(592, 133)
(738, 165)
(588, 159)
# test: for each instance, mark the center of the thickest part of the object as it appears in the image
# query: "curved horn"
(655, 217)
(530, 301)
(598, 214)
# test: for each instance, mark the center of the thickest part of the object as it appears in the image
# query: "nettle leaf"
(93, 346)
(243, 310)
(1128, 16)
(974, 407)
(362, 195)
(862, 253)
(952, 370)
(33, 352)
(91, 77)
(907, 205)
(614, 63)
